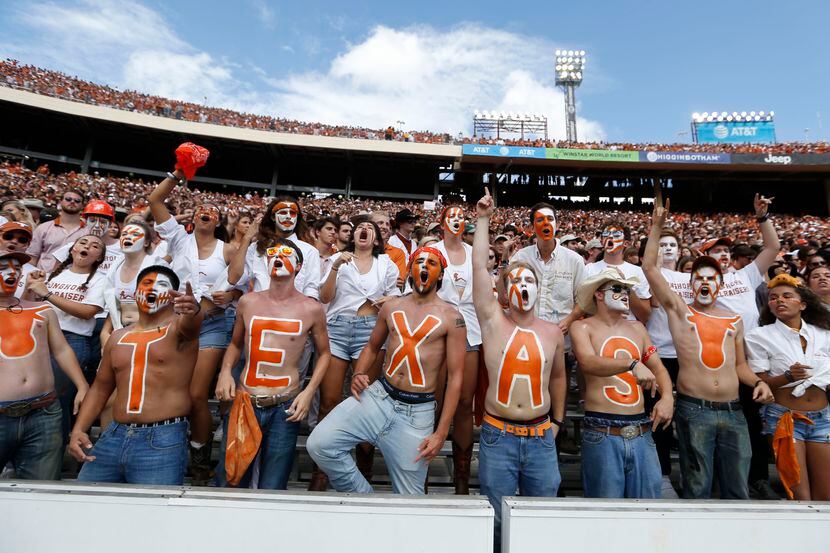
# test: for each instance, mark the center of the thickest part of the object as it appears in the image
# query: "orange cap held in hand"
(190, 157)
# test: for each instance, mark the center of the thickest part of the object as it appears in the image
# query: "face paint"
(207, 214)
(153, 293)
(454, 221)
(95, 225)
(613, 239)
(10, 274)
(365, 234)
(544, 223)
(722, 255)
(668, 249)
(425, 270)
(285, 216)
(132, 239)
(283, 261)
(523, 290)
(617, 301)
(706, 284)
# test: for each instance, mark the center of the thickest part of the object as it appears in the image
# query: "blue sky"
(430, 64)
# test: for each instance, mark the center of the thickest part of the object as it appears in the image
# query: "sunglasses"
(73, 200)
(279, 250)
(821, 263)
(21, 239)
(617, 289)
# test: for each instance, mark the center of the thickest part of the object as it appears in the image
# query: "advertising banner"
(782, 159)
(591, 155)
(735, 132)
(684, 157)
(502, 151)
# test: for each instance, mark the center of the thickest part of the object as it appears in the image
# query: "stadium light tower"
(569, 66)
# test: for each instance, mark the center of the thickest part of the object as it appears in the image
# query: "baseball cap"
(568, 238)
(722, 241)
(501, 237)
(14, 225)
(33, 203)
(20, 256)
(432, 226)
(595, 243)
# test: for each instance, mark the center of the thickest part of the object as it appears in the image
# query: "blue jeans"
(507, 463)
(123, 454)
(614, 466)
(712, 441)
(33, 442)
(818, 432)
(394, 427)
(276, 452)
(63, 386)
(214, 333)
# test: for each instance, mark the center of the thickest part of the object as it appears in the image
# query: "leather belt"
(272, 401)
(165, 422)
(22, 408)
(627, 432)
(734, 405)
(519, 429)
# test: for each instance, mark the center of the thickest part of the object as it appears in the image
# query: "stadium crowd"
(54, 83)
(133, 303)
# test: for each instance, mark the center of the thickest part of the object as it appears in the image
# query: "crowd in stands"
(54, 83)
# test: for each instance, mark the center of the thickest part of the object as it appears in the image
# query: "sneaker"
(761, 489)
(667, 491)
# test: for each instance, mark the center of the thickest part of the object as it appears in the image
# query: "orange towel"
(244, 438)
(783, 444)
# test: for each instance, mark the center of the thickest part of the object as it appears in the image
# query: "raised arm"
(772, 246)
(160, 193)
(487, 307)
(659, 287)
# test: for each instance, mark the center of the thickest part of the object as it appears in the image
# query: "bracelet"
(756, 383)
(47, 296)
(179, 181)
(763, 218)
(632, 365)
(558, 423)
(788, 374)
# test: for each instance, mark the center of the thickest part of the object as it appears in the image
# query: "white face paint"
(286, 215)
(153, 293)
(706, 284)
(523, 290)
(454, 220)
(616, 301)
(283, 261)
(9, 275)
(96, 225)
(668, 249)
(722, 254)
(132, 239)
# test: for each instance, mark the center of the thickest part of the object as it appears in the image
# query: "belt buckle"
(629, 432)
(256, 401)
(522, 430)
(18, 409)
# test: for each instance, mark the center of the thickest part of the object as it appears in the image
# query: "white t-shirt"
(68, 285)
(456, 278)
(628, 270)
(21, 284)
(353, 289)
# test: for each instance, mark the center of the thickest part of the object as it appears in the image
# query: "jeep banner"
(781, 159)
(684, 157)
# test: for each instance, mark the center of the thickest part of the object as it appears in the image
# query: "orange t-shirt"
(398, 257)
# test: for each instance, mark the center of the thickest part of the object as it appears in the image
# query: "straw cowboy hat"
(585, 294)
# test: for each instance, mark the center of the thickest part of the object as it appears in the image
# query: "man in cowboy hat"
(620, 366)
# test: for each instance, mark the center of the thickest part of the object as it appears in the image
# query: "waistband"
(533, 427)
(823, 412)
(21, 407)
(213, 314)
(273, 401)
(734, 405)
(406, 397)
(615, 417)
(165, 422)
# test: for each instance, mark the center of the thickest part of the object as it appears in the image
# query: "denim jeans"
(712, 442)
(276, 452)
(618, 467)
(507, 463)
(395, 427)
(63, 386)
(348, 335)
(123, 454)
(33, 443)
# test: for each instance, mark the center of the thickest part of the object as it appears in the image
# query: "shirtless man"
(30, 415)
(620, 365)
(273, 325)
(525, 360)
(709, 341)
(397, 412)
(149, 364)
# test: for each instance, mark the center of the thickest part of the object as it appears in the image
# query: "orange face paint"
(286, 215)
(10, 273)
(140, 341)
(712, 333)
(523, 359)
(544, 223)
(17, 331)
(453, 221)
(408, 351)
(426, 268)
(628, 393)
(152, 294)
(282, 261)
(261, 357)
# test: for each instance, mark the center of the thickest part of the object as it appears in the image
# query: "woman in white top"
(791, 353)
(457, 290)
(200, 258)
(76, 289)
(360, 278)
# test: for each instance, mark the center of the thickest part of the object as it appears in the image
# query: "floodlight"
(761, 113)
(752, 114)
(729, 118)
(582, 52)
(757, 118)
(558, 52)
(772, 114)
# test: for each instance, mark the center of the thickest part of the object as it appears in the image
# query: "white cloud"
(429, 78)
(265, 13)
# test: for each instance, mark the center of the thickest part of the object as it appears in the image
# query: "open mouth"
(205, 218)
(127, 243)
(525, 296)
(546, 231)
(278, 264)
(424, 277)
(11, 280)
(704, 291)
(363, 234)
(83, 254)
(151, 298)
